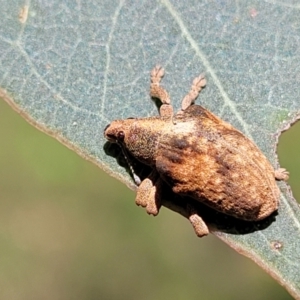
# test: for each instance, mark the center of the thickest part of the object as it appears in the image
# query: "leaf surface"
(71, 67)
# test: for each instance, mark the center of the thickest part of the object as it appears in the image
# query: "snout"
(110, 136)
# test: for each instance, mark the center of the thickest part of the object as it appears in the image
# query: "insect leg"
(199, 225)
(281, 174)
(156, 91)
(198, 83)
(148, 194)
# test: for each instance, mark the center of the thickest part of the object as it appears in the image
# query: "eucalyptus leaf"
(71, 67)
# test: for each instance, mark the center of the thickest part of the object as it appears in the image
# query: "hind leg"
(281, 174)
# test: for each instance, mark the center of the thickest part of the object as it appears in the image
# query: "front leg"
(156, 91)
(149, 193)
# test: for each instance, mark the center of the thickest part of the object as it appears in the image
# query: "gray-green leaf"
(70, 67)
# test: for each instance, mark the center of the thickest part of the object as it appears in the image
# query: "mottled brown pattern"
(200, 156)
(219, 166)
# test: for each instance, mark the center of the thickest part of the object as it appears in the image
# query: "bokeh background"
(70, 231)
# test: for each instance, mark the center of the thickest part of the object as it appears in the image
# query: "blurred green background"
(69, 231)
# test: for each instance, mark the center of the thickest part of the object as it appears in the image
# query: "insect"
(199, 156)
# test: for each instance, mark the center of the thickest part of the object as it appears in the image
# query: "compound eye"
(120, 136)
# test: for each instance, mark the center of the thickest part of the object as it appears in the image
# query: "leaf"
(71, 67)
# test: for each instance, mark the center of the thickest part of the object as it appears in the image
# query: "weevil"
(199, 156)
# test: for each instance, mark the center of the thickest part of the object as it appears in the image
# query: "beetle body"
(200, 156)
